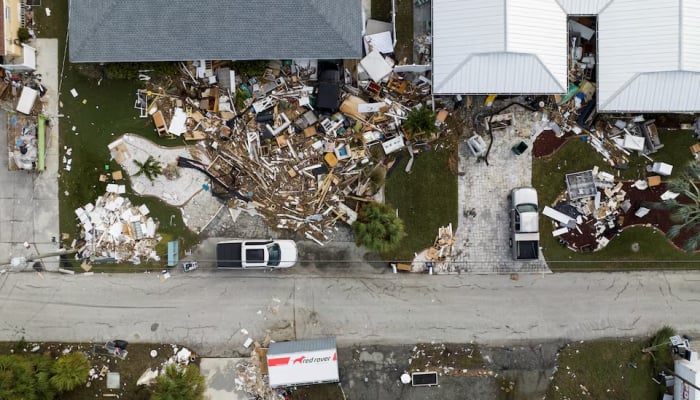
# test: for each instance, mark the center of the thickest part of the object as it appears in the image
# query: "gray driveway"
(482, 236)
(28, 201)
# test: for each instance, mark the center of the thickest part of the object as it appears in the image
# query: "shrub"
(179, 383)
(69, 371)
(23, 35)
(420, 120)
(378, 227)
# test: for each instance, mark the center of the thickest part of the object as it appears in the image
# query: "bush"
(69, 371)
(131, 70)
(661, 349)
(378, 227)
(25, 377)
(250, 68)
(23, 35)
(420, 120)
(179, 383)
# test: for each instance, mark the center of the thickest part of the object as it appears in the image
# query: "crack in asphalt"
(611, 284)
(81, 305)
(621, 291)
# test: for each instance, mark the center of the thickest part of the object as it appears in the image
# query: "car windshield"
(273, 250)
(523, 208)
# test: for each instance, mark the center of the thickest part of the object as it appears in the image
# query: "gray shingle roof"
(176, 30)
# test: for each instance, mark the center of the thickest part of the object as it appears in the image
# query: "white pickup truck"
(524, 224)
(256, 253)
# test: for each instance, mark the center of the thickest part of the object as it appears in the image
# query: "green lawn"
(609, 369)
(107, 113)
(381, 10)
(426, 199)
(656, 251)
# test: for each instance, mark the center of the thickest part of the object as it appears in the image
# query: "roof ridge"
(549, 72)
(456, 69)
(314, 4)
(634, 78)
(461, 65)
(619, 91)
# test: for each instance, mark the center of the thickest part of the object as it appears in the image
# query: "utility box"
(424, 379)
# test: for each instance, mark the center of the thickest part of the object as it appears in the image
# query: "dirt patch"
(660, 219)
(547, 143)
(404, 31)
(449, 359)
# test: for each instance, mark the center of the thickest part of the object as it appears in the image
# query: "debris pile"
(440, 253)
(115, 230)
(251, 375)
(298, 142)
(23, 141)
(592, 212)
(20, 93)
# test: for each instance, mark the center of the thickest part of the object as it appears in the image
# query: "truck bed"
(228, 255)
(528, 250)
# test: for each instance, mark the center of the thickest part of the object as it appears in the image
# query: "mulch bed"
(659, 219)
(547, 143)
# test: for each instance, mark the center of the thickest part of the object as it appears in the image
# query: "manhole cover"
(635, 247)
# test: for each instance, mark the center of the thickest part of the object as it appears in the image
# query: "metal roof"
(583, 7)
(509, 46)
(175, 30)
(649, 56)
(301, 346)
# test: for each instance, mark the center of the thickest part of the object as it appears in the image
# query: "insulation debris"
(115, 230)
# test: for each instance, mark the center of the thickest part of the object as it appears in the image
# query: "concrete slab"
(44, 212)
(177, 191)
(199, 211)
(5, 234)
(220, 376)
(22, 231)
(22, 210)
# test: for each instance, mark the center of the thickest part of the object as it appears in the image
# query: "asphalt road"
(207, 309)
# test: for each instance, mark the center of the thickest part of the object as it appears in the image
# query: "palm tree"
(179, 383)
(378, 227)
(420, 120)
(69, 371)
(686, 215)
(150, 168)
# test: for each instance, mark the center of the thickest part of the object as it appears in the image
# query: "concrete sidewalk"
(29, 201)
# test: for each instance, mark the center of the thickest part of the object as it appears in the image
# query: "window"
(273, 250)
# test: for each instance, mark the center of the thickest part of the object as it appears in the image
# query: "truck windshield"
(273, 251)
(524, 208)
